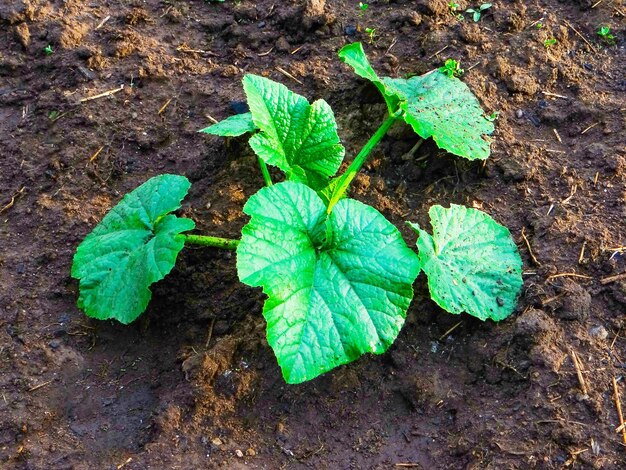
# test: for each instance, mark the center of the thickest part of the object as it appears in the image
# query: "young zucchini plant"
(337, 274)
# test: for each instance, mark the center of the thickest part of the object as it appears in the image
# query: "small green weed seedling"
(371, 32)
(337, 274)
(454, 8)
(476, 14)
(605, 33)
(48, 50)
(548, 43)
(363, 7)
(452, 68)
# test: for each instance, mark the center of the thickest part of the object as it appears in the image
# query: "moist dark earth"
(193, 383)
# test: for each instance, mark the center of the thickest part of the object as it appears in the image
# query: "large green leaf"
(299, 138)
(232, 126)
(445, 109)
(338, 285)
(471, 262)
(135, 245)
(435, 105)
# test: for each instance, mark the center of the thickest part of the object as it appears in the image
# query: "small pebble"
(599, 332)
(216, 441)
(262, 24)
(519, 113)
(251, 452)
(350, 30)
(238, 453)
(54, 344)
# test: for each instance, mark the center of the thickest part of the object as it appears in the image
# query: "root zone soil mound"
(193, 384)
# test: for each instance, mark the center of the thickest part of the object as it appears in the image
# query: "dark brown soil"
(164, 393)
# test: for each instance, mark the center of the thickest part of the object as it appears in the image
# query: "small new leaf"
(234, 126)
(338, 285)
(134, 246)
(299, 138)
(471, 262)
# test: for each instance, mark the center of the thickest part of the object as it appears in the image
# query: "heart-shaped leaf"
(338, 285)
(471, 262)
(135, 245)
(445, 109)
(435, 105)
(299, 138)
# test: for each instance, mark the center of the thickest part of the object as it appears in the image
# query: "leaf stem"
(216, 242)
(360, 159)
(265, 171)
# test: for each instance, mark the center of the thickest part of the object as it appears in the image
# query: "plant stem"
(359, 160)
(216, 242)
(265, 171)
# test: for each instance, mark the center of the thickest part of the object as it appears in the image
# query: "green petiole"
(265, 171)
(360, 159)
(216, 242)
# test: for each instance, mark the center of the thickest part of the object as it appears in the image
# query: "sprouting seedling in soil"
(605, 33)
(363, 7)
(371, 32)
(337, 274)
(476, 14)
(48, 50)
(493, 116)
(452, 68)
(548, 43)
(539, 25)
(454, 7)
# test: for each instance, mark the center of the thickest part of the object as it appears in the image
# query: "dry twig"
(449, 331)
(37, 387)
(581, 36)
(102, 95)
(530, 250)
(589, 128)
(579, 371)
(165, 106)
(554, 276)
(287, 74)
(608, 280)
(12, 201)
(438, 52)
(95, 155)
(618, 405)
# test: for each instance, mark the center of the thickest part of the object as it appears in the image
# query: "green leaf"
(471, 262)
(445, 109)
(299, 138)
(435, 105)
(232, 126)
(354, 55)
(338, 285)
(134, 246)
